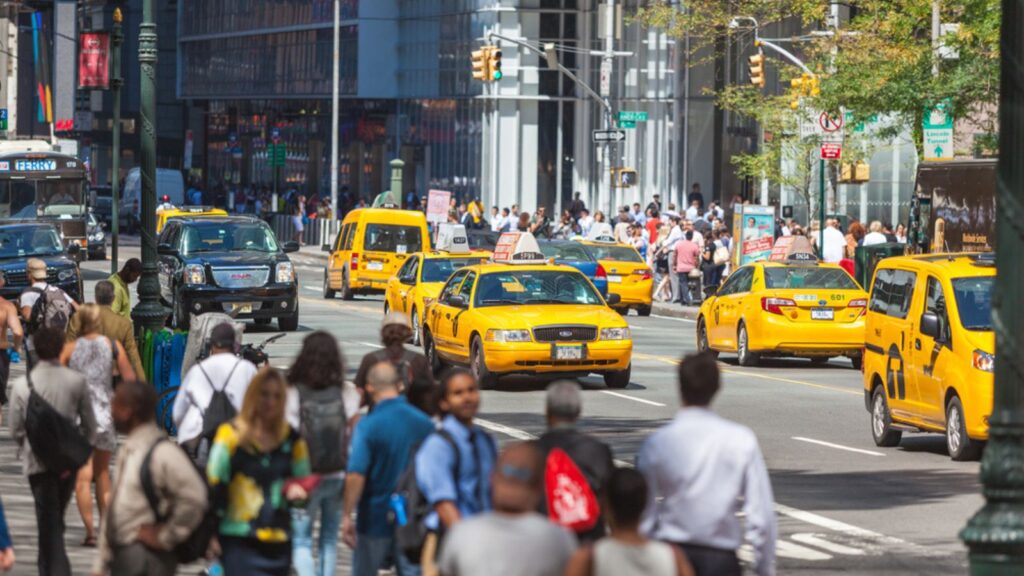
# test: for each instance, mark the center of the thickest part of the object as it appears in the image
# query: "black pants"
(5, 372)
(707, 561)
(52, 494)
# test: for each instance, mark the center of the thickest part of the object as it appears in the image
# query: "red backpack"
(571, 502)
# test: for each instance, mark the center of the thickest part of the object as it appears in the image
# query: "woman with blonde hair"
(94, 356)
(253, 462)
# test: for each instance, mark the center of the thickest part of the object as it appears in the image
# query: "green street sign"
(626, 123)
(632, 116)
(277, 154)
(939, 117)
(3, 119)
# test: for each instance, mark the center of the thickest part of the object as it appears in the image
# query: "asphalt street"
(844, 505)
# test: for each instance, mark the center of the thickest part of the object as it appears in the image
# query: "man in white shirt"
(875, 235)
(693, 211)
(586, 222)
(698, 467)
(221, 371)
(638, 215)
(835, 243)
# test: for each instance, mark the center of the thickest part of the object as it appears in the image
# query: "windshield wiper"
(501, 301)
(547, 301)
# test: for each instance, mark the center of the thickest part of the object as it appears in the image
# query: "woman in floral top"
(251, 459)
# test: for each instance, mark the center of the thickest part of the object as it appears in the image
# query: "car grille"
(19, 277)
(565, 333)
(242, 277)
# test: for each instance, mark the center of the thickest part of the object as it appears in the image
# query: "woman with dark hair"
(322, 409)
(417, 379)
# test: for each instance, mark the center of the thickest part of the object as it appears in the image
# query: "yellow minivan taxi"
(628, 275)
(371, 246)
(929, 350)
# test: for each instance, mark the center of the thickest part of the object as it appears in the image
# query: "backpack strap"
(146, 479)
(212, 386)
(113, 348)
(450, 440)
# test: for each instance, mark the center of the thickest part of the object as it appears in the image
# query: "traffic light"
(805, 85)
(757, 69)
(494, 64)
(481, 59)
(624, 177)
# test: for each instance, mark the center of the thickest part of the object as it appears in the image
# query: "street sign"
(831, 151)
(632, 116)
(627, 124)
(938, 132)
(830, 123)
(3, 119)
(601, 136)
(277, 154)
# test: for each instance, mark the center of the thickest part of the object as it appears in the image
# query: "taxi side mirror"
(613, 299)
(930, 325)
(457, 301)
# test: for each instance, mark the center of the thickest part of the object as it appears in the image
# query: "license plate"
(614, 279)
(822, 314)
(242, 308)
(375, 266)
(568, 352)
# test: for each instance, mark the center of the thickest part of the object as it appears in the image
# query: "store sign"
(94, 60)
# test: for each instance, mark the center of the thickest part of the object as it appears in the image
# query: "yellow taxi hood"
(984, 340)
(431, 289)
(528, 316)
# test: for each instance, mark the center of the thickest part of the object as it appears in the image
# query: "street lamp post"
(149, 314)
(117, 38)
(995, 535)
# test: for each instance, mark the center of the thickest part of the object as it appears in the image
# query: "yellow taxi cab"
(371, 246)
(793, 307)
(163, 216)
(520, 314)
(929, 349)
(420, 279)
(628, 275)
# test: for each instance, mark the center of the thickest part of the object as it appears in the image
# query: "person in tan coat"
(112, 325)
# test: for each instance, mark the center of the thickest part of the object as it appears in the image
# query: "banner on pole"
(94, 60)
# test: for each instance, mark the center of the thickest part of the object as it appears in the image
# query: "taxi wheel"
(743, 353)
(881, 422)
(643, 311)
(417, 328)
(346, 292)
(430, 351)
(618, 379)
(703, 344)
(961, 447)
(328, 293)
(857, 361)
(486, 379)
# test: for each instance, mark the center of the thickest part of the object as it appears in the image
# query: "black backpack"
(51, 310)
(195, 546)
(323, 424)
(403, 366)
(55, 440)
(219, 411)
(411, 535)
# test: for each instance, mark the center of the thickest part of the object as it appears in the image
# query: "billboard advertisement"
(753, 233)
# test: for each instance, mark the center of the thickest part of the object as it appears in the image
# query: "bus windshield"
(29, 198)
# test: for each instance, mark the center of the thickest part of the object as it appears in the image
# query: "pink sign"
(93, 60)
(437, 206)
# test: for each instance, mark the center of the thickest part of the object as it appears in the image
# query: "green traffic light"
(497, 75)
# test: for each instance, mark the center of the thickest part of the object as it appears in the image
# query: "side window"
(412, 268)
(730, 285)
(746, 280)
(901, 293)
(936, 304)
(165, 235)
(467, 287)
(880, 291)
(451, 286)
(347, 242)
(403, 273)
(340, 237)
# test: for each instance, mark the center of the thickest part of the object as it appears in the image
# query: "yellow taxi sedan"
(163, 216)
(528, 319)
(628, 275)
(802, 309)
(419, 281)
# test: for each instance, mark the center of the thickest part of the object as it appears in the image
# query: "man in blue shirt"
(456, 485)
(381, 446)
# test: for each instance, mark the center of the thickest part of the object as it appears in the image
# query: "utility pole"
(336, 64)
(149, 314)
(116, 82)
(607, 67)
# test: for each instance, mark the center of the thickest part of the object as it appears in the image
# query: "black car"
(233, 265)
(97, 239)
(23, 240)
(101, 203)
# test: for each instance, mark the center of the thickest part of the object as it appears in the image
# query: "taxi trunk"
(376, 267)
(630, 280)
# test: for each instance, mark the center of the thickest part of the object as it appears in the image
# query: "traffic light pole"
(116, 83)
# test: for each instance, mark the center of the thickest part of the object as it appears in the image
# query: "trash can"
(866, 259)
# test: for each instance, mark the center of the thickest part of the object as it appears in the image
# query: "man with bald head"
(381, 445)
(513, 539)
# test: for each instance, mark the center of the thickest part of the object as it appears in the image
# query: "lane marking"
(673, 318)
(818, 541)
(313, 288)
(634, 399)
(370, 344)
(835, 525)
(506, 430)
(837, 446)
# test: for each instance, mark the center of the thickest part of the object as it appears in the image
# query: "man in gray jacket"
(66, 391)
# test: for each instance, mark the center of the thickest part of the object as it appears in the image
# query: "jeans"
(373, 551)
(327, 500)
(684, 288)
(52, 494)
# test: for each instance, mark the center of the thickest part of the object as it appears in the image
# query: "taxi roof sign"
(601, 232)
(793, 249)
(452, 238)
(517, 248)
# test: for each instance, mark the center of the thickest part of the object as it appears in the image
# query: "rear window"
(392, 238)
(808, 277)
(565, 252)
(439, 269)
(615, 253)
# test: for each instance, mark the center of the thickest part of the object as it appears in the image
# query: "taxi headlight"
(984, 361)
(508, 336)
(285, 272)
(614, 333)
(195, 274)
(66, 274)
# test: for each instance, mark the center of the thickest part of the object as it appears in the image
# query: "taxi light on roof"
(601, 232)
(517, 248)
(452, 238)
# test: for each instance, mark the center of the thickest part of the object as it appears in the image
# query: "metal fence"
(315, 233)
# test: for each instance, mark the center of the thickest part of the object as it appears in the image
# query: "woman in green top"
(251, 459)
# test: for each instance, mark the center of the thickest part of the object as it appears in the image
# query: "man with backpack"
(51, 394)
(43, 305)
(381, 446)
(138, 538)
(413, 369)
(576, 466)
(211, 393)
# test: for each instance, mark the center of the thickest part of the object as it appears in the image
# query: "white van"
(168, 182)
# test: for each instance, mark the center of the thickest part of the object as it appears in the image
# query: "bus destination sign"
(45, 165)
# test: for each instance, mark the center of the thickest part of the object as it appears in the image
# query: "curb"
(675, 311)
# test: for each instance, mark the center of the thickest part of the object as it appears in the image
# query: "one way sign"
(602, 136)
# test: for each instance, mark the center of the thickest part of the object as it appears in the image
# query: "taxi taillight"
(774, 305)
(644, 274)
(601, 273)
(861, 303)
(354, 265)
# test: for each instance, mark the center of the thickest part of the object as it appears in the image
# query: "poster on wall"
(753, 233)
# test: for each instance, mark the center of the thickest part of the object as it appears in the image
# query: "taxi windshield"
(392, 238)
(615, 253)
(565, 251)
(514, 287)
(439, 269)
(783, 277)
(228, 237)
(25, 241)
(974, 301)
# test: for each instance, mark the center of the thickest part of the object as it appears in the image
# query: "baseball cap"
(223, 335)
(36, 269)
(396, 318)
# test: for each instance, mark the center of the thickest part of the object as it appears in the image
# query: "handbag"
(55, 440)
(695, 273)
(721, 255)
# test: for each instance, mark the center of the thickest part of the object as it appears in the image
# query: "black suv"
(233, 265)
(23, 240)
